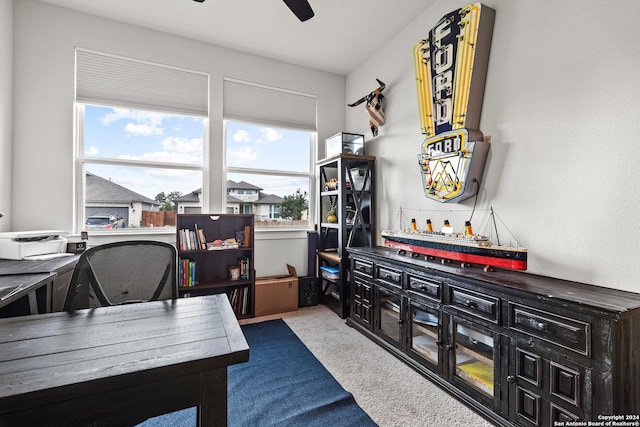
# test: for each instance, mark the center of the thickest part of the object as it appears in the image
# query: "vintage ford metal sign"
(450, 69)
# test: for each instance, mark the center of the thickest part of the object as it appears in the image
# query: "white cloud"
(270, 134)
(143, 123)
(137, 115)
(92, 151)
(241, 136)
(182, 145)
(144, 129)
(241, 155)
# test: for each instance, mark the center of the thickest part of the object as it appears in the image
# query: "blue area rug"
(283, 384)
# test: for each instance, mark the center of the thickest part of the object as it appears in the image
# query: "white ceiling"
(341, 35)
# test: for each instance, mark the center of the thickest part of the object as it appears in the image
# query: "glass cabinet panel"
(389, 314)
(474, 355)
(424, 340)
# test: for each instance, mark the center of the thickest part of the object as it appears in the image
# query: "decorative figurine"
(331, 215)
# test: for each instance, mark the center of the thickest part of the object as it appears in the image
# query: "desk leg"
(33, 302)
(213, 398)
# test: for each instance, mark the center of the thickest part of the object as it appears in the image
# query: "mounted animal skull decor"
(373, 107)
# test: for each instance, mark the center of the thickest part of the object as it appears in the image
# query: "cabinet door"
(423, 334)
(389, 315)
(361, 301)
(474, 359)
(545, 389)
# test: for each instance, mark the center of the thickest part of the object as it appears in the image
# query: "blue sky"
(118, 133)
(259, 147)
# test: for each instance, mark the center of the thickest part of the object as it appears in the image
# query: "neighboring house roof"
(190, 197)
(231, 199)
(242, 185)
(268, 199)
(100, 190)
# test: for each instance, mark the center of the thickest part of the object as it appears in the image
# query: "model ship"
(467, 247)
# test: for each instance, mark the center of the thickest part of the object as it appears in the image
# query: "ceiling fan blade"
(300, 8)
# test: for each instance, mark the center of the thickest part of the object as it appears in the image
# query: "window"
(137, 163)
(267, 168)
(270, 140)
(141, 139)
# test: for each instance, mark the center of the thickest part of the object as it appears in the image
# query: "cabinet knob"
(511, 379)
(541, 326)
(438, 342)
(449, 347)
(470, 304)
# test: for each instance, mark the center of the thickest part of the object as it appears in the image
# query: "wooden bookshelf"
(215, 255)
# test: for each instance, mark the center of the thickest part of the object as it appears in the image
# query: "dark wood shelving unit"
(345, 183)
(210, 272)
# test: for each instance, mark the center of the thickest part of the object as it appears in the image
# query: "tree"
(168, 200)
(292, 206)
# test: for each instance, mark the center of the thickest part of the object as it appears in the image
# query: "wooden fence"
(158, 218)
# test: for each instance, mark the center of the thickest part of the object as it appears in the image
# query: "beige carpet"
(389, 391)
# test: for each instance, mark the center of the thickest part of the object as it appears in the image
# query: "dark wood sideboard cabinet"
(519, 348)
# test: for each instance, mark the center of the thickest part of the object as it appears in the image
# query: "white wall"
(44, 41)
(561, 104)
(6, 116)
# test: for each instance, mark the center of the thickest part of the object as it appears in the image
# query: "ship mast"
(495, 226)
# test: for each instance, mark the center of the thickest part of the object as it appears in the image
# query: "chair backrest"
(123, 272)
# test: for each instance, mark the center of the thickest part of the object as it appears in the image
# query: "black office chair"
(121, 273)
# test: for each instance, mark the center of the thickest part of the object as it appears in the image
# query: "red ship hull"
(511, 264)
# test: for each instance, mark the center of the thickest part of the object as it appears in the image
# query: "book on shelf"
(187, 273)
(244, 264)
(202, 239)
(240, 237)
(247, 236)
(239, 299)
(192, 240)
(218, 244)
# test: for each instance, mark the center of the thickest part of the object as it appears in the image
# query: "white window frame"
(313, 143)
(113, 81)
(276, 108)
(81, 168)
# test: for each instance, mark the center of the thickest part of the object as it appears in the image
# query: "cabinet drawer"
(563, 331)
(364, 268)
(429, 288)
(389, 275)
(484, 306)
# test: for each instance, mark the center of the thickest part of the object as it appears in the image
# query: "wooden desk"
(119, 365)
(33, 287)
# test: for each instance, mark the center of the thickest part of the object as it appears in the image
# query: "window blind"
(259, 104)
(106, 79)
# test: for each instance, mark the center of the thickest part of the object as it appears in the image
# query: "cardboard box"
(277, 294)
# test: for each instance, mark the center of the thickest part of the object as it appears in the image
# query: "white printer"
(39, 244)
